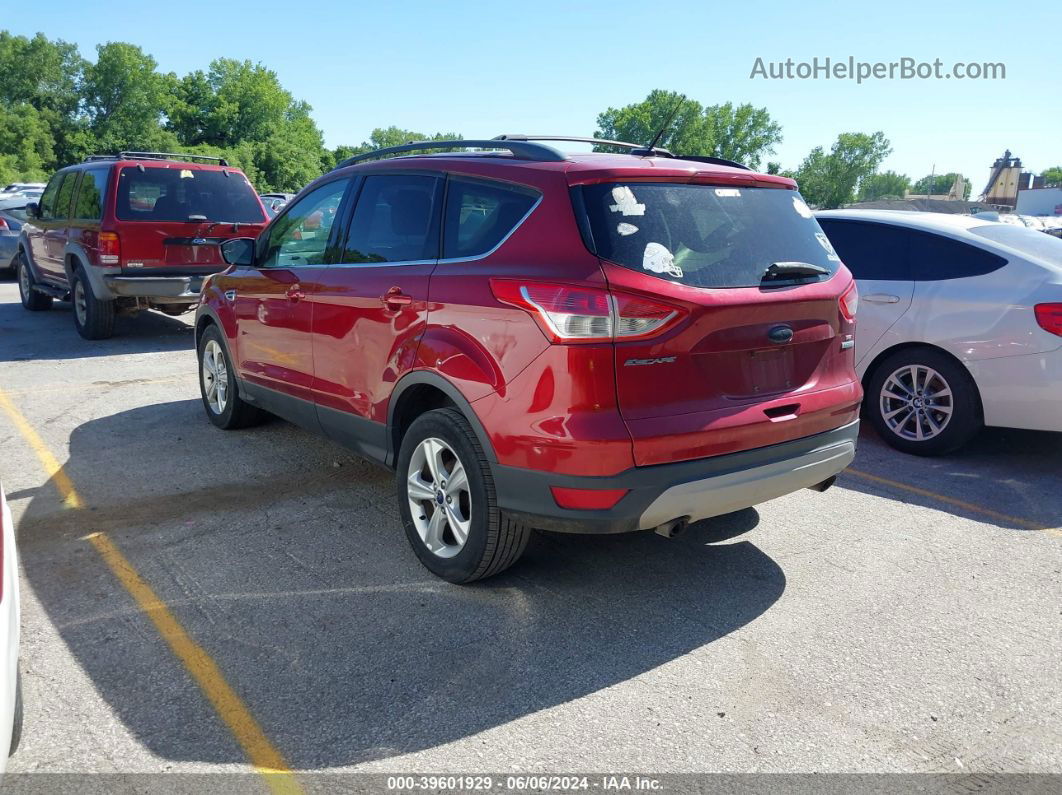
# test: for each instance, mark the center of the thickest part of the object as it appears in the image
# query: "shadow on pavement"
(1008, 474)
(49, 335)
(284, 558)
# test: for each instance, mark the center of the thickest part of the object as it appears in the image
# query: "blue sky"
(550, 67)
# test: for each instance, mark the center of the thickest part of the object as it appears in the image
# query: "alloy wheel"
(439, 498)
(23, 280)
(80, 302)
(215, 374)
(916, 403)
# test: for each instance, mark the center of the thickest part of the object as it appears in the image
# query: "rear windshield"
(184, 194)
(1030, 242)
(704, 235)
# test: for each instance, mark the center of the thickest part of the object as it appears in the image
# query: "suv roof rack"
(157, 156)
(524, 150)
(635, 149)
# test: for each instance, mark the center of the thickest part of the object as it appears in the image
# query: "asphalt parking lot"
(202, 601)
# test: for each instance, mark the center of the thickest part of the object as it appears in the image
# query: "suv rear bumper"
(692, 490)
(160, 289)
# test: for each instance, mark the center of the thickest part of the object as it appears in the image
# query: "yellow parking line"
(266, 759)
(1017, 521)
(44, 455)
(261, 753)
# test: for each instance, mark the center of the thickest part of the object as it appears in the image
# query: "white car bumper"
(1021, 391)
(9, 626)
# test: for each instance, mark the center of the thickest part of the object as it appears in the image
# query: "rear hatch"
(174, 216)
(756, 355)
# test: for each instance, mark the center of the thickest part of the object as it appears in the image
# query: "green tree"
(736, 132)
(45, 75)
(27, 148)
(125, 98)
(384, 137)
(829, 179)
(886, 185)
(939, 185)
(1053, 177)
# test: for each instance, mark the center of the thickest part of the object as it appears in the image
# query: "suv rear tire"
(447, 501)
(217, 385)
(93, 317)
(31, 299)
(943, 407)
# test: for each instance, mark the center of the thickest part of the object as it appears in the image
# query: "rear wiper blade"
(778, 271)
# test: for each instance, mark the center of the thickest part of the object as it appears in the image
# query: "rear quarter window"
(704, 235)
(89, 203)
(936, 258)
(480, 215)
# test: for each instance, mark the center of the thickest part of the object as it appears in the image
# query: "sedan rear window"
(185, 194)
(1030, 242)
(704, 235)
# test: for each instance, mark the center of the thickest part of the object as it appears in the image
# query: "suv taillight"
(849, 303)
(574, 313)
(1049, 317)
(110, 248)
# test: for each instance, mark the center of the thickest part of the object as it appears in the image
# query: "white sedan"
(960, 324)
(10, 686)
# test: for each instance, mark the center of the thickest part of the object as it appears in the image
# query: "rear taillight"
(3, 224)
(1049, 316)
(574, 313)
(110, 248)
(850, 302)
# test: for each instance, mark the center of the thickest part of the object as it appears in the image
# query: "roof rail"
(635, 148)
(157, 156)
(524, 150)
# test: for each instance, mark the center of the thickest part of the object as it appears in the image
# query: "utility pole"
(932, 179)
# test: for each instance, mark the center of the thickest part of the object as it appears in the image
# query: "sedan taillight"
(3, 225)
(574, 313)
(1049, 317)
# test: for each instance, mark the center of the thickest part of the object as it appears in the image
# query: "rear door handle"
(295, 292)
(881, 298)
(395, 298)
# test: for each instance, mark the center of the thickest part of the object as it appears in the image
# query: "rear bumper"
(1021, 391)
(691, 490)
(160, 289)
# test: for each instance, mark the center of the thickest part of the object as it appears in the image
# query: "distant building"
(957, 192)
(1040, 201)
(1005, 181)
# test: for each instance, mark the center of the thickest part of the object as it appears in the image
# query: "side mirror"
(238, 251)
(33, 210)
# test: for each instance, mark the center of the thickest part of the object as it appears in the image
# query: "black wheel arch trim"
(428, 378)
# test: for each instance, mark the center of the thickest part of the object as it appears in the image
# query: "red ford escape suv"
(137, 230)
(590, 343)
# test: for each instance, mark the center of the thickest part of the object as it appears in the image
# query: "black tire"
(494, 542)
(235, 412)
(31, 299)
(16, 727)
(93, 317)
(964, 402)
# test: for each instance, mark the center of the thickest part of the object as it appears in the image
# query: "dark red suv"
(137, 230)
(591, 343)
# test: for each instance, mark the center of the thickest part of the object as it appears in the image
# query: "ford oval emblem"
(780, 335)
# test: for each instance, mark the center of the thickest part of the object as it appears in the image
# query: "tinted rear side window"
(89, 203)
(871, 251)
(185, 194)
(479, 215)
(66, 193)
(934, 258)
(704, 235)
(394, 220)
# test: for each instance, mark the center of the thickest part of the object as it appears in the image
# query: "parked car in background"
(591, 343)
(274, 202)
(12, 216)
(960, 324)
(121, 233)
(15, 188)
(10, 614)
